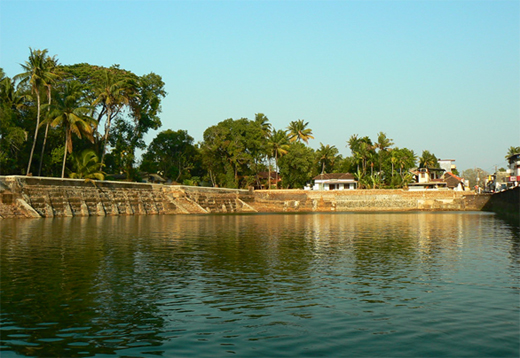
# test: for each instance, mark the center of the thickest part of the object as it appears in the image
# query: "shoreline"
(42, 197)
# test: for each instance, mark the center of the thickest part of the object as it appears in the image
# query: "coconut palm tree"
(428, 160)
(51, 66)
(71, 114)
(87, 166)
(112, 93)
(362, 149)
(264, 124)
(36, 74)
(383, 145)
(298, 131)
(278, 146)
(512, 151)
(326, 156)
(265, 127)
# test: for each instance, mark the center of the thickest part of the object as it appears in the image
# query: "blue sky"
(442, 76)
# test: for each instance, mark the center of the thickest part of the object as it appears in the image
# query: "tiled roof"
(334, 176)
(453, 175)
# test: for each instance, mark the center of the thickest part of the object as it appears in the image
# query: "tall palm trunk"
(67, 135)
(269, 175)
(46, 132)
(276, 168)
(107, 128)
(35, 132)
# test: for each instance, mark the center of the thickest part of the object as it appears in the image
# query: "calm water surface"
(345, 284)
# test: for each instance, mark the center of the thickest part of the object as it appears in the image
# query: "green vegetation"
(96, 117)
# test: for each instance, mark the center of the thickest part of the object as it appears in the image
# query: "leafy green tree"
(229, 149)
(171, 153)
(134, 102)
(298, 131)
(12, 135)
(71, 114)
(37, 74)
(124, 140)
(297, 166)
(345, 165)
(475, 176)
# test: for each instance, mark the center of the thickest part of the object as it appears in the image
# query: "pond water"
(296, 285)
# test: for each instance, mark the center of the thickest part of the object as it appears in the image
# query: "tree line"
(75, 120)
(87, 121)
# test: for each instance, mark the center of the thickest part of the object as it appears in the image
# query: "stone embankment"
(368, 200)
(22, 196)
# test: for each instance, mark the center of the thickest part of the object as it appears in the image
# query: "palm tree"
(51, 66)
(112, 93)
(383, 145)
(36, 75)
(406, 159)
(362, 150)
(512, 151)
(263, 122)
(326, 155)
(298, 131)
(87, 166)
(10, 94)
(428, 160)
(278, 145)
(70, 113)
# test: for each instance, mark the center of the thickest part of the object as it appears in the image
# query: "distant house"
(334, 181)
(263, 179)
(447, 165)
(453, 182)
(427, 178)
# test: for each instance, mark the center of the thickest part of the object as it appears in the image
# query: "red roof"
(335, 176)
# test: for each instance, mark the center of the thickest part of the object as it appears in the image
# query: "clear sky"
(436, 75)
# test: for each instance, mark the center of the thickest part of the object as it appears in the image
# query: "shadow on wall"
(506, 204)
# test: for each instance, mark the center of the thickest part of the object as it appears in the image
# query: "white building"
(334, 181)
(447, 165)
(513, 171)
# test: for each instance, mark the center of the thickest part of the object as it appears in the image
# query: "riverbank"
(34, 197)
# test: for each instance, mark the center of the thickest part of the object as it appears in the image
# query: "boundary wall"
(368, 200)
(36, 197)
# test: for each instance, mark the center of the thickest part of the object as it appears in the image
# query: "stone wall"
(22, 196)
(368, 200)
(506, 204)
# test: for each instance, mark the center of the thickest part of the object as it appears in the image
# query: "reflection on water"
(348, 284)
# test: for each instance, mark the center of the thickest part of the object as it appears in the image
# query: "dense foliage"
(77, 107)
(87, 121)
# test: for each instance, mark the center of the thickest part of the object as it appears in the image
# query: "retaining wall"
(22, 196)
(368, 200)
